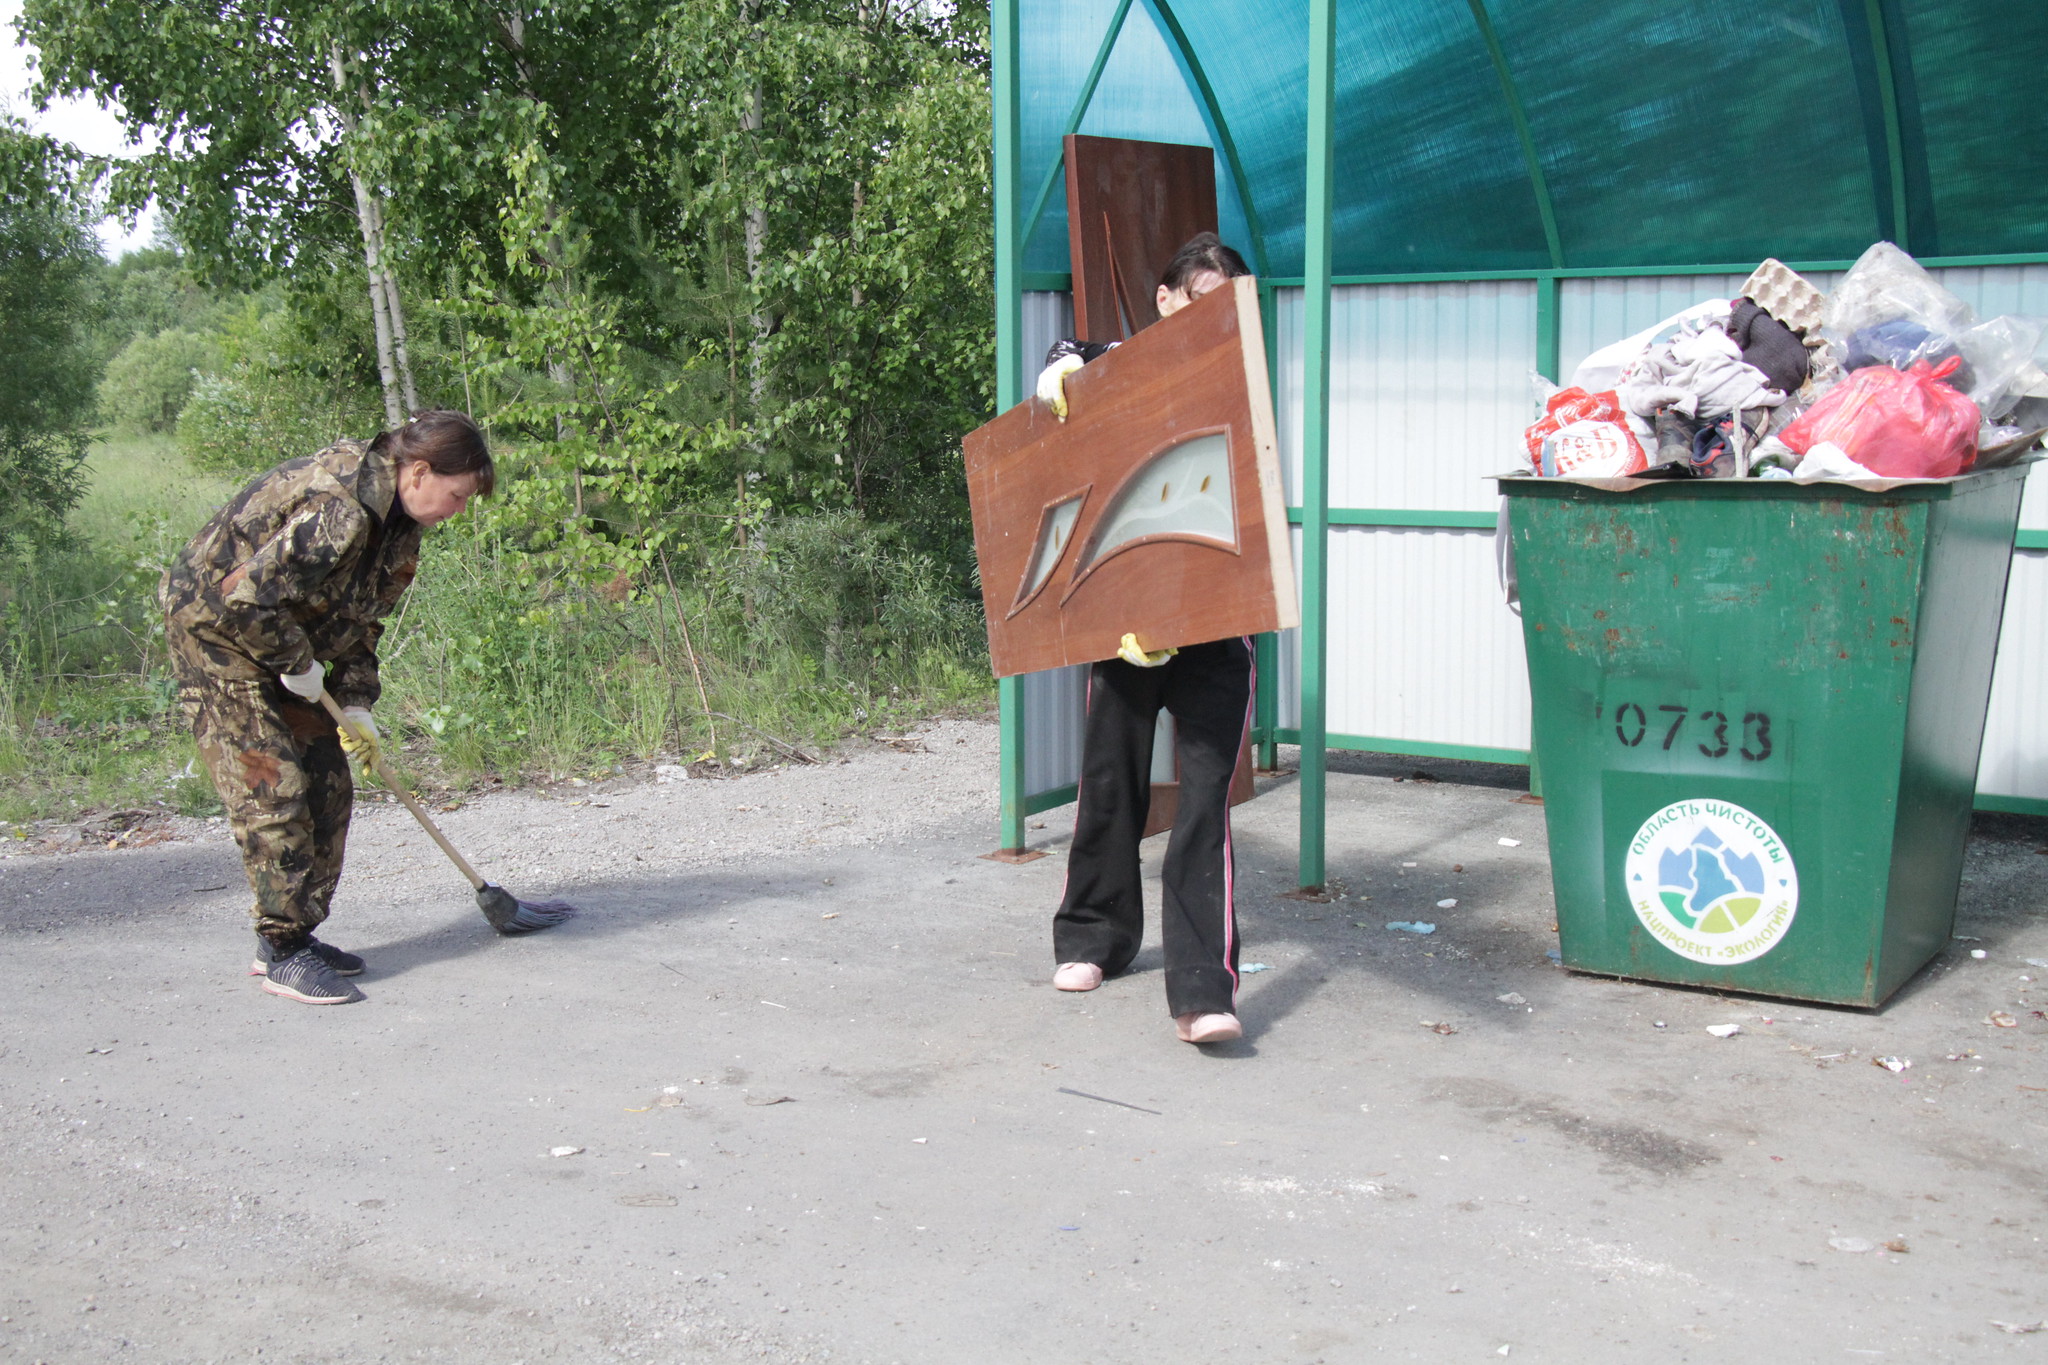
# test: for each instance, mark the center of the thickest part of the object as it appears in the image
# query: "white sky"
(80, 122)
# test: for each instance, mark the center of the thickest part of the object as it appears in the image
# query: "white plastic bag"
(1601, 371)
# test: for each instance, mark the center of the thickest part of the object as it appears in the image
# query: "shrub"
(251, 418)
(147, 383)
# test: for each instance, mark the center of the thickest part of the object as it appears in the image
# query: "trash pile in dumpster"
(1890, 376)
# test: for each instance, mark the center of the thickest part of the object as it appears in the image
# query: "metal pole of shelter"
(1315, 437)
(1004, 30)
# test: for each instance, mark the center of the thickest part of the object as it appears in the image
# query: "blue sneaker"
(304, 976)
(340, 963)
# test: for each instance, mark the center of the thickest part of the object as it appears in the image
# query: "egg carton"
(1782, 292)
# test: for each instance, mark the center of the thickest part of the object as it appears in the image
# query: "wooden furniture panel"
(1108, 522)
(1130, 206)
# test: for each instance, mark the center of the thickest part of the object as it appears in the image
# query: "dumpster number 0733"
(1751, 739)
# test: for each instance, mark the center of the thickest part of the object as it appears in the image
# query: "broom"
(506, 912)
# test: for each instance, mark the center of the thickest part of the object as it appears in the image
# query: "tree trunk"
(860, 200)
(757, 236)
(370, 221)
(401, 354)
(380, 305)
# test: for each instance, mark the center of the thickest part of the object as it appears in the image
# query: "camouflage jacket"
(304, 564)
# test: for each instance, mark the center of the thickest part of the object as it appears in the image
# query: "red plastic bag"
(1586, 434)
(1902, 424)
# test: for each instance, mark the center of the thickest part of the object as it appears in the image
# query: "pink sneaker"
(1207, 1028)
(1077, 976)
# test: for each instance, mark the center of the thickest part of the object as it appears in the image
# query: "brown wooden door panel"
(1130, 206)
(1197, 374)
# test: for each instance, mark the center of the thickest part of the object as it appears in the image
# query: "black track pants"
(1208, 689)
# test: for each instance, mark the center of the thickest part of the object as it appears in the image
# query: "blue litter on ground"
(1555, 956)
(1411, 926)
(1075, 1229)
(1255, 967)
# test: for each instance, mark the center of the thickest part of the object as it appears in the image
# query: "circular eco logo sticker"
(1712, 881)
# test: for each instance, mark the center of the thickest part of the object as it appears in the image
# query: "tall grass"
(87, 713)
(819, 627)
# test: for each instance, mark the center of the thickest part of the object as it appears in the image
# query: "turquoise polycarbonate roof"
(1481, 135)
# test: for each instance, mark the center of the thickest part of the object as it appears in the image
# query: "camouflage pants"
(279, 769)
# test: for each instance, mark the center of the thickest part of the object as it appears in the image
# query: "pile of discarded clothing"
(1890, 376)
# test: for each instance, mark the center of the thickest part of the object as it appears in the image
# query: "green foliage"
(842, 590)
(47, 260)
(281, 389)
(146, 385)
(150, 291)
(86, 713)
(869, 172)
(714, 275)
(501, 674)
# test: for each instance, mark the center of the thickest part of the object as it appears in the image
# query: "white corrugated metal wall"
(1429, 392)
(2015, 760)
(1431, 386)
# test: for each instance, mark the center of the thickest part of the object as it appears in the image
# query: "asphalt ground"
(824, 1105)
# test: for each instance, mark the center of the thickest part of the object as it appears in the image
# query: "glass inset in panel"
(1055, 529)
(1183, 492)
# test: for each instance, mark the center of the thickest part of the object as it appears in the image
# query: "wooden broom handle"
(412, 804)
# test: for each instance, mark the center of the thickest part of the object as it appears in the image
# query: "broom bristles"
(510, 915)
(545, 914)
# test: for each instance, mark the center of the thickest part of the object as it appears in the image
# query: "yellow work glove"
(1052, 384)
(359, 738)
(1134, 654)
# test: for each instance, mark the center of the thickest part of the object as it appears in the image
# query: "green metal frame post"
(1007, 112)
(1315, 437)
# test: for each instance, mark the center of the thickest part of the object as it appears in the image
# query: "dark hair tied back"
(447, 442)
(1204, 253)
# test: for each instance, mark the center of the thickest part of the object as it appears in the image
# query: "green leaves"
(47, 296)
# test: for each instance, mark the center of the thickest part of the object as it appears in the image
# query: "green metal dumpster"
(1758, 707)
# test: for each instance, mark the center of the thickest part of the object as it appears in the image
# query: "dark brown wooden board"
(1130, 206)
(1200, 373)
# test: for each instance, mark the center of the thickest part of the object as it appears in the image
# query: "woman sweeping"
(283, 593)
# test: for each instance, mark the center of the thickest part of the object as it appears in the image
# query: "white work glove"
(307, 684)
(361, 743)
(1135, 655)
(1052, 384)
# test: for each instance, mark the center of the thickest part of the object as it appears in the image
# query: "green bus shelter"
(1443, 198)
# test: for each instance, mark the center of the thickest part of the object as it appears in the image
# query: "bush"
(251, 418)
(821, 626)
(276, 395)
(147, 383)
(845, 591)
(47, 260)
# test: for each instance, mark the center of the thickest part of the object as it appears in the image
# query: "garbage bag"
(1886, 284)
(1585, 434)
(1907, 424)
(1889, 311)
(1603, 369)
(1898, 342)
